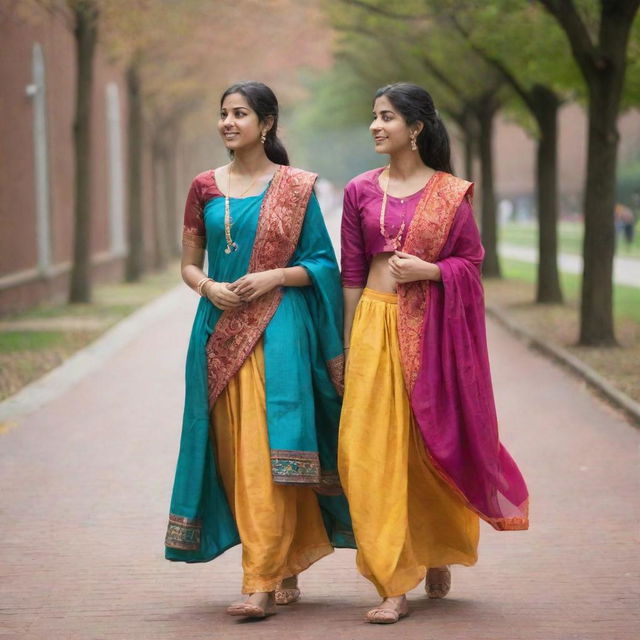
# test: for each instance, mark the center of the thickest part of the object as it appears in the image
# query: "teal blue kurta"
(303, 406)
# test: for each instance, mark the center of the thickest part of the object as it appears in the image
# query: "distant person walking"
(625, 223)
(264, 367)
(419, 455)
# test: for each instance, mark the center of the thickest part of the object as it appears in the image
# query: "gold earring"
(414, 146)
(263, 137)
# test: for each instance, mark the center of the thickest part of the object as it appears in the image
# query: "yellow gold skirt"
(280, 527)
(405, 518)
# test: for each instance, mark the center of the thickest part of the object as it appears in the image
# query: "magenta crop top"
(360, 236)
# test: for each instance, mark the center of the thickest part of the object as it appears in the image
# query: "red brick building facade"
(37, 92)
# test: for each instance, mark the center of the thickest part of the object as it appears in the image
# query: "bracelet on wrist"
(204, 287)
(201, 285)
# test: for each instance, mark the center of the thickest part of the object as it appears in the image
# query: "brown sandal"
(287, 591)
(287, 596)
(438, 582)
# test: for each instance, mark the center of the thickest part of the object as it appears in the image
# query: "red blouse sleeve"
(355, 266)
(193, 231)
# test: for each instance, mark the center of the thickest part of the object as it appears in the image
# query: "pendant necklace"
(395, 240)
(231, 245)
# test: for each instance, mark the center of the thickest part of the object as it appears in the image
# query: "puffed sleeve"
(193, 231)
(354, 263)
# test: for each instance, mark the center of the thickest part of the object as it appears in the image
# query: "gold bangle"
(204, 287)
(201, 284)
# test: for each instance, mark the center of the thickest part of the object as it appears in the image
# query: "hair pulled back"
(416, 105)
(264, 102)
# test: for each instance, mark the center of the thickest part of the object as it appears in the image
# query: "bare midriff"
(380, 277)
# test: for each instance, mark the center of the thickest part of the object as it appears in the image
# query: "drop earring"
(414, 146)
(263, 137)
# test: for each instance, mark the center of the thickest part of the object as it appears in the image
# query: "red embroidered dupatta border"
(279, 225)
(427, 234)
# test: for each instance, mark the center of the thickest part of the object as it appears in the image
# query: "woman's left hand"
(405, 267)
(254, 285)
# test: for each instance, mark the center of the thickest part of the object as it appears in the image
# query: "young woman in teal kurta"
(264, 365)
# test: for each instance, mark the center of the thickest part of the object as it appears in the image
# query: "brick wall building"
(37, 94)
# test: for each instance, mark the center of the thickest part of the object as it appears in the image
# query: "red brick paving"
(85, 491)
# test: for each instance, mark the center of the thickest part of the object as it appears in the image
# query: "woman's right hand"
(221, 296)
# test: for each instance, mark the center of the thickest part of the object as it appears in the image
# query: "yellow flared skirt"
(405, 518)
(280, 527)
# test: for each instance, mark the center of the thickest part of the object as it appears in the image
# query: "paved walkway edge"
(614, 396)
(58, 380)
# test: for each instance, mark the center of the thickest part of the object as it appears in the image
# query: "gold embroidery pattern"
(193, 240)
(329, 484)
(295, 467)
(183, 533)
(336, 373)
(279, 225)
(427, 234)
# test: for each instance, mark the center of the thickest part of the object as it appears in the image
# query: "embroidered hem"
(335, 367)
(329, 484)
(193, 240)
(183, 533)
(295, 467)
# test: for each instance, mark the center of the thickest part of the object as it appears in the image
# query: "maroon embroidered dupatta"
(445, 361)
(279, 226)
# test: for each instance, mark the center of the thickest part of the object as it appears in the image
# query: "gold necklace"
(231, 245)
(396, 239)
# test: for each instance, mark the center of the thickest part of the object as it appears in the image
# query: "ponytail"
(273, 146)
(433, 145)
(416, 105)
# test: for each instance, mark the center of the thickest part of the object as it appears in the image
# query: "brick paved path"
(85, 490)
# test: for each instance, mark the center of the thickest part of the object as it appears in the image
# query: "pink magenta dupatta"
(445, 361)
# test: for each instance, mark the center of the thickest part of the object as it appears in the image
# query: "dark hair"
(416, 105)
(264, 102)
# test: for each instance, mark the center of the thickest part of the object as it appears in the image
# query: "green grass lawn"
(626, 300)
(37, 340)
(525, 234)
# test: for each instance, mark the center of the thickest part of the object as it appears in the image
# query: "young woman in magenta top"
(419, 456)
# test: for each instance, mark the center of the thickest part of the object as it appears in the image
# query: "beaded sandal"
(438, 582)
(288, 594)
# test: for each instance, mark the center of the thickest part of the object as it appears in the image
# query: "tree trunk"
(486, 111)
(546, 106)
(603, 67)
(596, 309)
(135, 258)
(170, 170)
(159, 207)
(85, 32)
(470, 143)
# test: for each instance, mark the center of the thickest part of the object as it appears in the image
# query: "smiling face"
(390, 130)
(239, 126)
